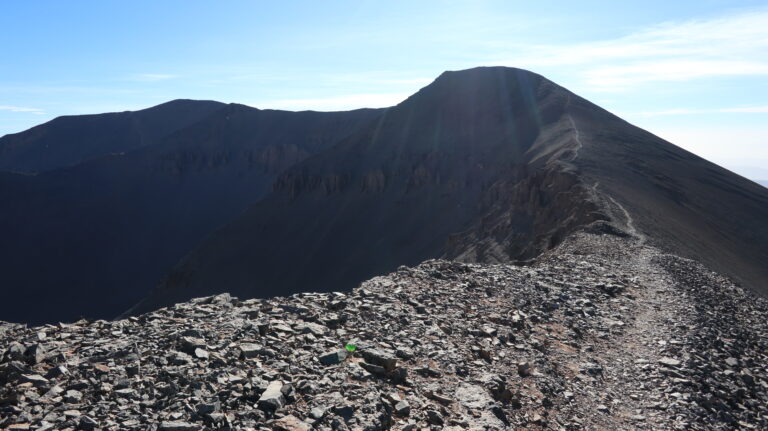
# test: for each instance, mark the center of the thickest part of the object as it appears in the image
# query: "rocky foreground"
(604, 332)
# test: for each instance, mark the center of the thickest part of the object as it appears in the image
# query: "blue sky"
(693, 72)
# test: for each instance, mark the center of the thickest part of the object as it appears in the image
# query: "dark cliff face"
(93, 239)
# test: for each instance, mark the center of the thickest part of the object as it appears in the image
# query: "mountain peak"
(485, 71)
(490, 164)
(177, 103)
(482, 81)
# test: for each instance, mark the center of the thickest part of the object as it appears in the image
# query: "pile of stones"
(604, 332)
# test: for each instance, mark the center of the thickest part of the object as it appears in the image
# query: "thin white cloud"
(374, 77)
(724, 145)
(731, 45)
(341, 80)
(153, 77)
(684, 111)
(408, 81)
(749, 109)
(669, 70)
(21, 109)
(350, 101)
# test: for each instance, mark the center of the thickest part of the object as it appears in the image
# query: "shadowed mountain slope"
(672, 197)
(93, 239)
(676, 199)
(69, 140)
(488, 165)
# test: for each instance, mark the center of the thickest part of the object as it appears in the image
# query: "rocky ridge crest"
(603, 332)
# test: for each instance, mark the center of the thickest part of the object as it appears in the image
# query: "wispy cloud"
(684, 111)
(21, 109)
(722, 144)
(350, 101)
(153, 77)
(749, 109)
(341, 80)
(731, 45)
(619, 77)
(408, 81)
(376, 77)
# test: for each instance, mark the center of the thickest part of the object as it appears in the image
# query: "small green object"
(350, 347)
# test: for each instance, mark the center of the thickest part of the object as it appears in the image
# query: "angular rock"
(248, 350)
(178, 426)
(524, 369)
(290, 423)
(87, 423)
(669, 362)
(56, 371)
(179, 358)
(317, 413)
(435, 418)
(380, 357)
(201, 353)
(189, 344)
(272, 398)
(35, 379)
(73, 396)
(402, 408)
(332, 358)
(346, 411)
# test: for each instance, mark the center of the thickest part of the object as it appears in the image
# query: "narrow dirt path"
(647, 340)
(621, 376)
(629, 222)
(576, 132)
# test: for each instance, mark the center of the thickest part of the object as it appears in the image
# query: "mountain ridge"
(40, 148)
(489, 165)
(111, 226)
(602, 332)
(561, 162)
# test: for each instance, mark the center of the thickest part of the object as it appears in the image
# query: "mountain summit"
(486, 165)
